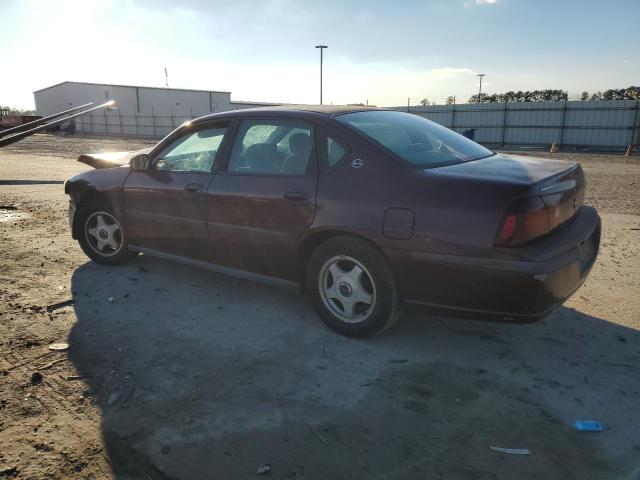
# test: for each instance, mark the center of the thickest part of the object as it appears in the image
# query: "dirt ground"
(187, 374)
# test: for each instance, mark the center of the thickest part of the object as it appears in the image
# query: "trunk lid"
(545, 193)
(511, 169)
(110, 159)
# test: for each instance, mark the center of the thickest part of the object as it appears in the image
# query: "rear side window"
(415, 139)
(335, 151)
(273, 147)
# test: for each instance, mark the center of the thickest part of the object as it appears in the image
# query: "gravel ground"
(189, 374)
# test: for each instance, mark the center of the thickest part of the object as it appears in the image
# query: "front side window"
(273, 147)
(415, 139)
(193, 152)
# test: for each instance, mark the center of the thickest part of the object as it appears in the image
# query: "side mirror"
(139, 162)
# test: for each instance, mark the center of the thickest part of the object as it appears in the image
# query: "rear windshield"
(415, 139)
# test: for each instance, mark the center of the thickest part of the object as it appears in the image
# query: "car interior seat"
(300, 147)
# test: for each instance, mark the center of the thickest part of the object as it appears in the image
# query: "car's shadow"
(201, 376)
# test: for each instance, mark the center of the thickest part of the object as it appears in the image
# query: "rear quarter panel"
(453, 215)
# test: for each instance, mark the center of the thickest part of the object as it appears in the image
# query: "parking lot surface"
(177, 373)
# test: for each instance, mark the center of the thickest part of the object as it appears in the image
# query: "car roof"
(329, 110)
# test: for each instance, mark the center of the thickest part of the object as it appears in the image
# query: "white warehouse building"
(139, 111)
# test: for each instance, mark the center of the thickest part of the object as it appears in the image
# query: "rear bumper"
(502, 289)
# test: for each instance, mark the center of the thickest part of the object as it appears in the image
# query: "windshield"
(415, 139)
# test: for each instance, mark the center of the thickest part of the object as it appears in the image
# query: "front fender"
(106, 184)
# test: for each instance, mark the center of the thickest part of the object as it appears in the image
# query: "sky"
(379, 51)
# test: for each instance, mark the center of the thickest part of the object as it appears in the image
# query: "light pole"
(321, 47)
(480, 89)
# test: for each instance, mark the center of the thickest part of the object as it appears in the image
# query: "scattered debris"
(553, 340)
(317, 433)
(111, 299)
(51, 364)
(22, 364)
(511, 451)
(56, 306)
(113, 398)
(623, 365)
(59, 347)
(36, 378)
(126, 397)
(264, 469)
(9, 472)
(588, 426)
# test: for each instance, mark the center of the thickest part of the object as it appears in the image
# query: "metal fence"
(610, 125)
(113, 122)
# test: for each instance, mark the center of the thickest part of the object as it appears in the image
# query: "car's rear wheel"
(101, 235)
(352, 287)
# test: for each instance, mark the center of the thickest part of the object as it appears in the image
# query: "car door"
(265, 197)
(164, 205)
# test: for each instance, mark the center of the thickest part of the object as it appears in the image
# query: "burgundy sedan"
(364, 209)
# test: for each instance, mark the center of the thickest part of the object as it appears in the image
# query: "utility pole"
(166, 77)
(480, 89)
(321, 47)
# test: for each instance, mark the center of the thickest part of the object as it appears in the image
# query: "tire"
(96, 220)
(335, 286)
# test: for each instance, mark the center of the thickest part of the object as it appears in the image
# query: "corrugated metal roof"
(132, 86)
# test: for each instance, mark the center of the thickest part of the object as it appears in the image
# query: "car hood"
(110, 159)
(510, 169)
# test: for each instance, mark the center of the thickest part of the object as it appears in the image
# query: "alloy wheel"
(103, 233)
(347, 289)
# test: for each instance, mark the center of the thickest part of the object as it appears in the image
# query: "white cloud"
(472, 3)
(450, 72)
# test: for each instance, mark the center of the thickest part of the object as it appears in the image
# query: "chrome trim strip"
(160, 217)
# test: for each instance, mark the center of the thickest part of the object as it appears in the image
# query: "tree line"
(630, 93)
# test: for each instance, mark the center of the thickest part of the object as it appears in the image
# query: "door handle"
(296, 196)
(193, 188)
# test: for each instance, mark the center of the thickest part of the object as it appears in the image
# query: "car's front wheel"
(101, 235)
(352, 287)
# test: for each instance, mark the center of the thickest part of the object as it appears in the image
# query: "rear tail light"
(526, 219)
(532, 217)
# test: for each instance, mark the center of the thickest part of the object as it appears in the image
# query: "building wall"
(131, 99)
(139, 111)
